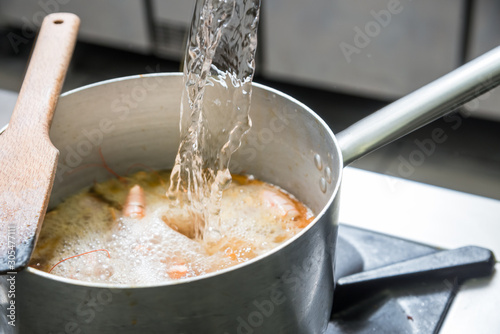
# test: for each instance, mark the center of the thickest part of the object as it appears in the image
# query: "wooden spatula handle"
(28, 160)
(45, 75)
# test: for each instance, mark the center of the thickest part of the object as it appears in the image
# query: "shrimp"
(135, 203)
(234, 248)
(284, 206)
(239, 250)
(293, 213)
(177, 267)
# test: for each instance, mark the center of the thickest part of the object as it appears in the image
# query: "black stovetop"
(419, 307)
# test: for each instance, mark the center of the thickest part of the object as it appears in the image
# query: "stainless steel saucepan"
(134, 121)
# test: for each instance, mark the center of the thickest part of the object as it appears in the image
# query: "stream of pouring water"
(218, 69)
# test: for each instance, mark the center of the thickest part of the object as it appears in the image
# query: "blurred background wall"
(377, 48)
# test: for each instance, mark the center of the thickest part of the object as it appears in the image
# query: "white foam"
(147, 250)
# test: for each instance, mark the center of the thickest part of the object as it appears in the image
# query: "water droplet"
(322, 184)
(318, 162)
(328, 174)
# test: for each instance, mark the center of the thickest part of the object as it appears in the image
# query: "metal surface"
(484, 35)
(421, 107)
(172, 20)
(387, 311)
(288, 291)
(377, 48)
(457, 264)
(7, 102)
(116, 23)
(436, 216)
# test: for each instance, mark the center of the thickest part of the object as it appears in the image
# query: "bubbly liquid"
(218, 72)
(161, 245)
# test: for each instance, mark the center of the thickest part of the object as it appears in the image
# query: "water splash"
(219, 67)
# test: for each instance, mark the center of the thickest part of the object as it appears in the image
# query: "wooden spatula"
(28, 160)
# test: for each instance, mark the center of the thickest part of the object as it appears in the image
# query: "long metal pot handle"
(421, 107)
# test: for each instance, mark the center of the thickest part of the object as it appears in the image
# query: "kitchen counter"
(419, 212)
(438, 217)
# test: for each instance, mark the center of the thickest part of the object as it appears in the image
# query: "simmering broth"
(137, 235)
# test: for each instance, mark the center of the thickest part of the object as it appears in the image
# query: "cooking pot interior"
(134, 123)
